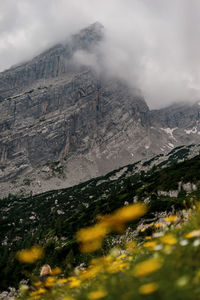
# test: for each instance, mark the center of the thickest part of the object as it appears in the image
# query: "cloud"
(151, 44)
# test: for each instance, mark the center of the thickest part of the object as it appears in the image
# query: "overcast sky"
(152, 44)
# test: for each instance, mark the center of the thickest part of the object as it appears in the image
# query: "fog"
(151, 44)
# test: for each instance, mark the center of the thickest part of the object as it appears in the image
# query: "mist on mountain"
(152, 45)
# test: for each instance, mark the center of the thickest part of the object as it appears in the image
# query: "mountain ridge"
(62, 123)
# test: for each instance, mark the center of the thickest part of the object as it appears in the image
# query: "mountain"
(166, 183)
(62, 123)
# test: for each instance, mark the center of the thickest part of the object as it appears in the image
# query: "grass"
(163, 265)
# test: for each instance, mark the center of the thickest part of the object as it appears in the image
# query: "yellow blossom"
(97, 294)
(90, 272)
(158, 225)
(56, 271)
(143, 229)
(151, 245)
(130, 212)
(171, 219)
(30, 255)
(147, 267)
(92, 233)
(38, 292)
(194, 233)
(148, 288)
(168, 239)
(68, 298)
(148, 237)
(91, 246)
(74, 282)
(130, 245)
(63, 280)
(50, 281)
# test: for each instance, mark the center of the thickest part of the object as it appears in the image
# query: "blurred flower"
(143, 229)
(30, 255)
(97, 294)
(194, 233)
(182, 281)
(168, 239)
(129, 213)
(74, 282)
(61, 281)
(183, 242)
(148, 288)
(196, 243)
(56, 271)
(38, 292)
(92, 233)
(158, 225)
(150, 245)
(147, 267)
(171, 219)
(91, 237)
(50, 281)
(91, 246)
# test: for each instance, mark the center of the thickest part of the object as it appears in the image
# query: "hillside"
(165, 183)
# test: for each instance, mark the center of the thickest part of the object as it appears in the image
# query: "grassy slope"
(165, 267)
(52, 218)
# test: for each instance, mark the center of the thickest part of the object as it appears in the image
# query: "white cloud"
(152, 44)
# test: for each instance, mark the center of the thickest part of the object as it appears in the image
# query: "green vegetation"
(51, 219)
(163, 266)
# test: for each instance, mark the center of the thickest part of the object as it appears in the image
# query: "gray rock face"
(61, 123)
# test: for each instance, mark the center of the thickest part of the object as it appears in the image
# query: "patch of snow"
(193, 130)
(169, 131)
(146, 147)
(170, 145)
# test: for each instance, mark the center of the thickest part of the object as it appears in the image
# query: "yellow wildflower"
(130, 212)
(91, 246)
(56, 271)
(38, 292)
(130, 245)
(148, 288)
(91, 272)
(143, 229)
(68, 298)
(147, 267)
(171, 219)
(168, 239)
(63, 280)
(148, 237)
(74, 282)
(95, 232)
(151, 245)
(38, 283)
(158, 225)
(97, 294)
(30, 255)
(194, 233)
(50, 281)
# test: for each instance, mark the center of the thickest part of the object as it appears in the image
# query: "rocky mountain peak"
(61, 124)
